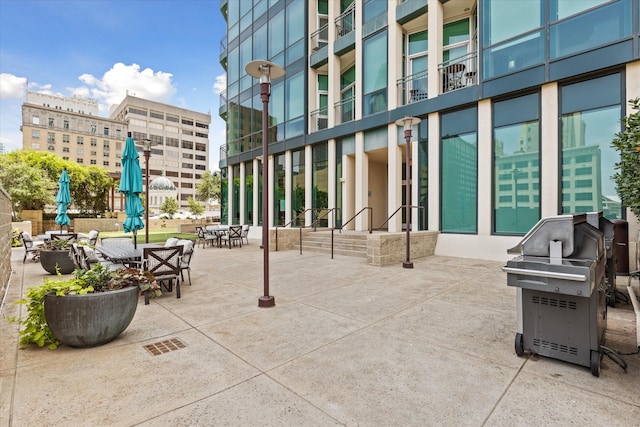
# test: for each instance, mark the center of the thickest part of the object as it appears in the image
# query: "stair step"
(316, 249)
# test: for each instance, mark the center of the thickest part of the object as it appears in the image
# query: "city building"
(180, 138)
(72, 129)
(518, 102)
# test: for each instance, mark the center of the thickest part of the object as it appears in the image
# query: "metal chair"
(29, 246)
(164, 264)
(71, 237)
(245, 233)
(233, 236)
(185, 261)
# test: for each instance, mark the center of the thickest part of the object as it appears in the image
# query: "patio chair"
(164, 264)
(185, 261)
(245, 233)
(91, 239)
(201, 239)
(30, 247)
(233, 236)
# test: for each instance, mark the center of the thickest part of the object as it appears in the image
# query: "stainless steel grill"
(560, 276)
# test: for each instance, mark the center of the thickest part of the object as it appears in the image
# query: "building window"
(118, 133)
(279, 185)
(375, 74)
(320, 179)
(51, 148)
(105, 163)
(459, 160)
(51, 122)
(512, 35)
(51, 137)
(80, 160)
(92, 162)
(65, 149)
(105, 131)
(155, 115)
(417, 49)
(582, 31)
(80, 140)
(80, 151)
(35, 134)
(105, 145)
(65, 138)
(35, 120)
(590, 113)
(94, 142)
(65, 124)
(93, 129)
(516, 164)
(94, 153)
(295, 106)
(297, 185)
(455, 40)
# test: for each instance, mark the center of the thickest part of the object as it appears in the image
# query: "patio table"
(125, 253)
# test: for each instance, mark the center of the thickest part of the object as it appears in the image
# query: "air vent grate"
(552, 302)
(166, 346)
(555, 347)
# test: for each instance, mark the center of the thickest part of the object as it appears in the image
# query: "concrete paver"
(346, 344)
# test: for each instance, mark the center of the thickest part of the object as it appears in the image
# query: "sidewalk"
(346, 344)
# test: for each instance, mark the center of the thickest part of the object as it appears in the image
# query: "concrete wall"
(5, 241)
(390, 248)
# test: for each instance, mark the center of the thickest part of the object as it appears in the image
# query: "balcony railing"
(345, 23)
(320, 38)
(319, 119)
(345, 110)
(412, 88)
(458, 73)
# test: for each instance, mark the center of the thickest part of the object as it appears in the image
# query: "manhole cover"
(166, 346)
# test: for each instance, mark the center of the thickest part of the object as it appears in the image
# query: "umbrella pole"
(135, 239)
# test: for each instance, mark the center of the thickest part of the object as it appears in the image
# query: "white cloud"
(12, 86)
(112, 87)
(220, 84)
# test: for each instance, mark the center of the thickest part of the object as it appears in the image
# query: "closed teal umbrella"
(63, 199)
(131, 187)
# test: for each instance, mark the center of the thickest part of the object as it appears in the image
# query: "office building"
(518, 102)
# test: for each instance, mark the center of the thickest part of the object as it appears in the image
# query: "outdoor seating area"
(415, 339)
(223, 235)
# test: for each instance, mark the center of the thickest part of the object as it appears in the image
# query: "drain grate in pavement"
(166, 346)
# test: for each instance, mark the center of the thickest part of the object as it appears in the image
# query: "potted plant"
(55, 257)
(89, 309)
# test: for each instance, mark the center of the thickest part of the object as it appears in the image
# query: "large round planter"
(92, 319)
(49, 260)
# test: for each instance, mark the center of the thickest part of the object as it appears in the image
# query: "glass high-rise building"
(518, 102)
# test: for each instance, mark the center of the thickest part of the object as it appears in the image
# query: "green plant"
(99, 279)
(15, 238)
(627, 142)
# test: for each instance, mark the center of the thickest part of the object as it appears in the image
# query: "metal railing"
(345, 110)
(398, 210)
(458, 73)
(320, 38)
(412, 88)
(345, 23)
(314, 221)
(319, 119)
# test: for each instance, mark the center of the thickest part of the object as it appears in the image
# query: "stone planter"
(92, 319)
(49, 259)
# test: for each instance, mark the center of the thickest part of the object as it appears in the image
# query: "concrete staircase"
(347, 243)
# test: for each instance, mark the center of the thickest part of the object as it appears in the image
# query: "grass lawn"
(155, 236)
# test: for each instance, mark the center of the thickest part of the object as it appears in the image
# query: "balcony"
(319, 41)
(222, 109)
(458, 73)
(345, 34)
(345, 110)
(223, 53)
(408, 10)
(412, 88)
(319, 119)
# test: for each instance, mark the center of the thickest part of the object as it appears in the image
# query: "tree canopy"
(31, 179)
(627, 142)
(208, 187)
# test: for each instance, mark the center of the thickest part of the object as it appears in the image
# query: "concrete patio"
(346, 344)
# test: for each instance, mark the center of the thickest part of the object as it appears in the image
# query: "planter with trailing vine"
(90, 309)
(52, 258)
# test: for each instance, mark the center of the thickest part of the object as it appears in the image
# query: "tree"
(208, 187)
(169, 206)
(28, 187)
(194, 207)
(627, 142)
(89, 186)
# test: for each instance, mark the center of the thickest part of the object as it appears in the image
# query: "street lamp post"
(265, 71)
(407, 123)
(146, 147)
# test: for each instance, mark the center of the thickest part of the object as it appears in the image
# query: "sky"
(161, 50)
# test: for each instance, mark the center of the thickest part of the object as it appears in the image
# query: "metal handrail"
(397, 210)
(370, 209)
(289, 223)
(314, 224)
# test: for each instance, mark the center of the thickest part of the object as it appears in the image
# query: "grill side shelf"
(548, 274)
